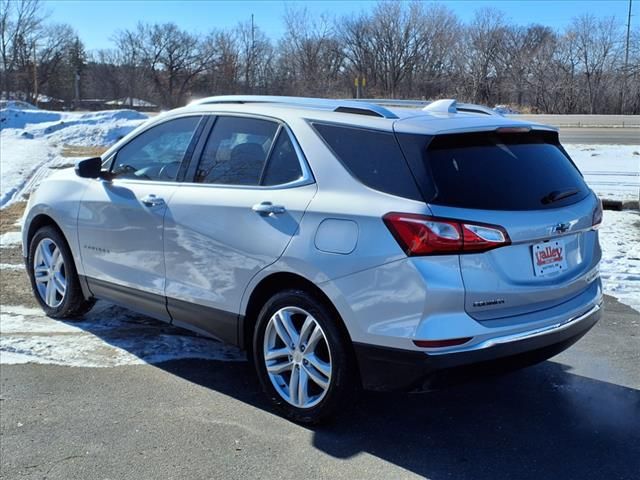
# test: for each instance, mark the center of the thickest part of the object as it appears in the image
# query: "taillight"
(597, 215)
(425, 235)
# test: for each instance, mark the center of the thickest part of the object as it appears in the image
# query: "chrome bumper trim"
(516, 337)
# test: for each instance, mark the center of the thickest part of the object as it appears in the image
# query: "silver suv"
(343, 244)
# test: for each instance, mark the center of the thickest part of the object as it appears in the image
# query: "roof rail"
(436, 106)
(344, 106)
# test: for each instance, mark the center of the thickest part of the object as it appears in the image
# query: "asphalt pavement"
(574, 416)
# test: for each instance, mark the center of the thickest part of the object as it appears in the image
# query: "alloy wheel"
(49, 273)
(297, 357)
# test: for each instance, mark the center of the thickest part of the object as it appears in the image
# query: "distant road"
(583, 120)
(600, 136)
(592, 129)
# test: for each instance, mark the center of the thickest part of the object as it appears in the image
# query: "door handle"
(267, 208)
(152, 201)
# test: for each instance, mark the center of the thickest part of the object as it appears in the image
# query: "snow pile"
(17, 104)
(132, 102)
(109, 336)
(620, 265)
(505, 110)
(612, 171)
(10, 239)
(20, 118)
(31, 142)
(86, 129)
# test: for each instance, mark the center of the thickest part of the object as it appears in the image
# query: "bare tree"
(20, 22)
(224, 71)
(397, 42)
(402, 49)
(485, 39)
(440, 31)
(256, 57)
(310, 54)
(597, 51)
(172, 57)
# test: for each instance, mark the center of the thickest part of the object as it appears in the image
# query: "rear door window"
(371, 156)
(236, 151)
(501, 171)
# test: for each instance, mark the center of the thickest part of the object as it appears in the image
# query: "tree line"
(395, 50)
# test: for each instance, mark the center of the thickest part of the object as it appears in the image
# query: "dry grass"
(10, 215)
(79, 151)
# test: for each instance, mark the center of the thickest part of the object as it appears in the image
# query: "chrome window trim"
(307, 175)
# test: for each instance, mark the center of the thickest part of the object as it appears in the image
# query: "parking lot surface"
(574, 416)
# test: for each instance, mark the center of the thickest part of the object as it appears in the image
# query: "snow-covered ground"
(613, 171)
(31, 142)
(108, 336)
(620, 265)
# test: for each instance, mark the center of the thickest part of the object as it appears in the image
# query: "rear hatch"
(523, 181)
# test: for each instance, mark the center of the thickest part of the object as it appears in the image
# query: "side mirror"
(89, 168)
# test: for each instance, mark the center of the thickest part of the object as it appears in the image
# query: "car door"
(244, 204)
(120, 222)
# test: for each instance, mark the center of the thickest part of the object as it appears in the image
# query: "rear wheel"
(302, 358)
(53, 275)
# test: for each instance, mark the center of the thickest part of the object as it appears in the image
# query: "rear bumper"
(384, 368)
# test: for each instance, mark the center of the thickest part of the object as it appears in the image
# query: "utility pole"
(35, 76)
(626, 63)
(253, 52)
(76, 88)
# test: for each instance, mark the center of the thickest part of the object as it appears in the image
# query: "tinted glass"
(236, 151)
(373, 157)
(514, 171)
(284, 165)
(157, 153)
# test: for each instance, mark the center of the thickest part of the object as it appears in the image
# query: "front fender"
(58, 198)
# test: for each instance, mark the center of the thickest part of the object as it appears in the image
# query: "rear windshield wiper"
(558, 195)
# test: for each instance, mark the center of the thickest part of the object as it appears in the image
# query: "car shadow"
(541, 422)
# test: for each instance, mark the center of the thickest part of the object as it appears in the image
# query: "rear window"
(373, 157)
(502, 171)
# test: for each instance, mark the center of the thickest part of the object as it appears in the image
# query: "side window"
(372, 157)
(284, 165)
(236, 151)
(157, 153)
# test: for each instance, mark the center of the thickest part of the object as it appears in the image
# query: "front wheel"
(53, 275)
(302, 358)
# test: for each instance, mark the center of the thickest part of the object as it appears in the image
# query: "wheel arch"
(43, 219)
(36, 223)
(270, 285)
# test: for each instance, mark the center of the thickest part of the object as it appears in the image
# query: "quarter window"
(372, 157)
(157, 153)
(284, 165)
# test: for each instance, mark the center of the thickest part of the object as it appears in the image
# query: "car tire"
(324, 379)
(54, 278)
